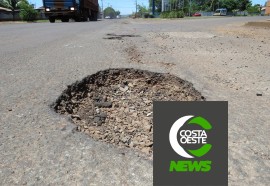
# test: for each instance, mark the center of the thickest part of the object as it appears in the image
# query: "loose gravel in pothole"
(115, 106)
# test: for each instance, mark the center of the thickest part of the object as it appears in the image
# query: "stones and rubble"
(116, 105)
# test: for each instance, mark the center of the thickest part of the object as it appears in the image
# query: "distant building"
(165, 5)
(267, 8)
(6, 14)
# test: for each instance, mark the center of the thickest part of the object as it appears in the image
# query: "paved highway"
(39, 60)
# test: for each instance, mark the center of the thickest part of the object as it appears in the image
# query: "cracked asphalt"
(223, 59)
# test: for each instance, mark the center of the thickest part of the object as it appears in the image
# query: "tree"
(117, 12)
(109, 11)
(240, 5)
(174, 4)
(27, 12)
(230, 5)
(158, 5)
(256, 9)
(11, 4)
(142, 10)
(243, 4)
(204, 5)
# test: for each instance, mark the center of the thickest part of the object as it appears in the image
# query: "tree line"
(109, 11)
(204, 5)
(27, 11)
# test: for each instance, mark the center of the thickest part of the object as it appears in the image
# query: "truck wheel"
(52, 19)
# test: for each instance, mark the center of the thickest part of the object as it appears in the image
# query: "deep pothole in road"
(115, 105)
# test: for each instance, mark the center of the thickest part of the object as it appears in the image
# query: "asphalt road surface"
(224, 60)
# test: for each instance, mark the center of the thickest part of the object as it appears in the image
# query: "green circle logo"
(190, 136)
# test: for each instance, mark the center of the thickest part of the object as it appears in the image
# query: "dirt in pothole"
(115, 106)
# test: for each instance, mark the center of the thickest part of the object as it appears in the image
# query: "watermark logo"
(190, 136)
(190, 143)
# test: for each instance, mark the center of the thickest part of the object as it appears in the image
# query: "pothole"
(120, 36)
(115, 105)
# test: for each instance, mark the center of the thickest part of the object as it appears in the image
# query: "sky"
(126, 6)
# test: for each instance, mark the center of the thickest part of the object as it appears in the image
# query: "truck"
(79, 10)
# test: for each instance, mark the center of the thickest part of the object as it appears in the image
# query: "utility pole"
(136, 8)
(183, 5)
(153, 7)
(189, 8)
(102, 9)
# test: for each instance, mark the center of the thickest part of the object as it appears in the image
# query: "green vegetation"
(142, 10)
(109, 11)
(27, 12)
(231, 5)
(158, 5)
(253, 10)
(172, 14)
(117, 12)
(202, 5)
